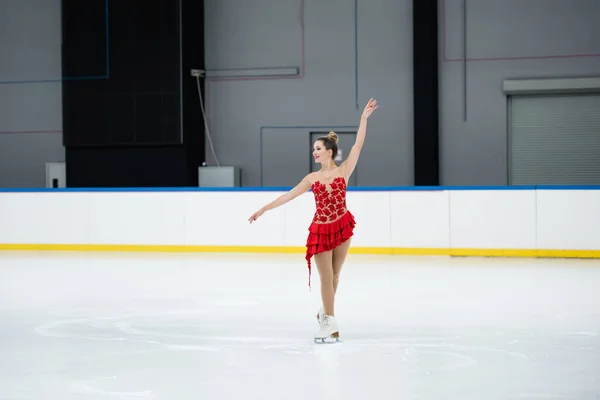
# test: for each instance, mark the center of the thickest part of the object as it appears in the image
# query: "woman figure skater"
(333, 224)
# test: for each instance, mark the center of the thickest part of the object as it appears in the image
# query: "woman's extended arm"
(300, 188)
(350, 163)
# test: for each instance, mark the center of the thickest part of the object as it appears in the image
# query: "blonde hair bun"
(333, 136)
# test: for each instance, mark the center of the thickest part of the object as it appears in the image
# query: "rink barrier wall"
(504, 221)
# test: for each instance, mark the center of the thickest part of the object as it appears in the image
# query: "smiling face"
(320, 152)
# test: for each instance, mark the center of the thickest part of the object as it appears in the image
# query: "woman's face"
(320, 153)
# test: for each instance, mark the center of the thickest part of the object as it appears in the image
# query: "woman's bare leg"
(324, 265)
(339, 257)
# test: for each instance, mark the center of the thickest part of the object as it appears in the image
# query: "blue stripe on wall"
(284, 188)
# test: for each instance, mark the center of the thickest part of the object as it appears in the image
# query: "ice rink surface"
(211, 326)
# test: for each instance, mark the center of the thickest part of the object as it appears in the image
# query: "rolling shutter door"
(554, 139)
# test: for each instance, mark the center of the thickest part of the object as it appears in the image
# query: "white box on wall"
(56, 175)
(225, 176)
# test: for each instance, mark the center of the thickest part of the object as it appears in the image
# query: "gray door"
(345, 142)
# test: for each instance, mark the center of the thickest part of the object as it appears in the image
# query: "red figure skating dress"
(332, 223)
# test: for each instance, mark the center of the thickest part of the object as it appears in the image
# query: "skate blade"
(335, 338)
(328, 340)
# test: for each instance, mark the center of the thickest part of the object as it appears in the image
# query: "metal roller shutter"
(554, 139)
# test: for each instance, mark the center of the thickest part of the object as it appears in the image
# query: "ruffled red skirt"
(325, 237)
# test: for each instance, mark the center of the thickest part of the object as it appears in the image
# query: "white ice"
(214, 326)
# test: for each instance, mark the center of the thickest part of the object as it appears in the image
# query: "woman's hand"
(257, 214)
(369, 108)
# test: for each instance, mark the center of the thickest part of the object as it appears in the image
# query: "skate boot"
(320, 315)
(329, 329)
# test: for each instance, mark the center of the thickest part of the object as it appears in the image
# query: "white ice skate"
(329, 329)
(320, 315)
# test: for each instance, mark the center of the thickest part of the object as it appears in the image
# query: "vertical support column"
(192, 57)
(425, 92)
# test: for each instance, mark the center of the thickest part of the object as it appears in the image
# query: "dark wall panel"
(126, 167)
(192, 48)
(139, 124)
(133, 48)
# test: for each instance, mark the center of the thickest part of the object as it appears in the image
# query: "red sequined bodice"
(330, 200)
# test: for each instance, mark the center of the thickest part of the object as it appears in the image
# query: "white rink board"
(568, 219)
(493, 219)
(407, 219)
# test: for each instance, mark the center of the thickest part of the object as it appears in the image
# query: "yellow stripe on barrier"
(466, 252)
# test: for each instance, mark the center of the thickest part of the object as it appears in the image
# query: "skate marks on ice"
(120, 343)
(453, 351)
(174, 329)
(403, 350)
(91, 387)
(120, 328)
(514, 364)
(485, 357)
(228, 336)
